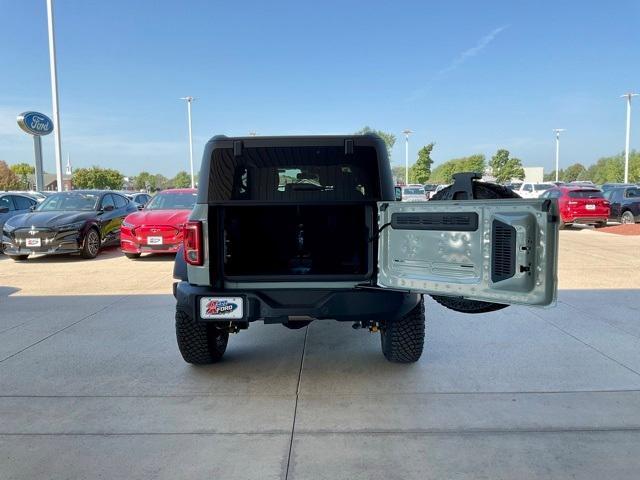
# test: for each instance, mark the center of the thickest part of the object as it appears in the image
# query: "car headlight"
(7, 228)
(71, 226)
(127, 224)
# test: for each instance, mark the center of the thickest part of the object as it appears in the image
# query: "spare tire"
(481, 191)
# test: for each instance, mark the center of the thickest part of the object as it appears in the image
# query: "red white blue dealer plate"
(221, 308)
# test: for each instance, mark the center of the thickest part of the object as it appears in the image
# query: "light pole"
(406, 132)
(557, 132)
(54, 94)
(189, 100)
(626, 144)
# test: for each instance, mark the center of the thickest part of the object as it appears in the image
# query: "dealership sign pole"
(36, 124)
(54, 93)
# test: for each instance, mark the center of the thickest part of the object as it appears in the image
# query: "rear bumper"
(278, 306)
(586, 219)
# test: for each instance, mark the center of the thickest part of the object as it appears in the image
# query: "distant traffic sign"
(35, 123)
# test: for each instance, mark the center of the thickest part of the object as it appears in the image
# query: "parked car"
(581, 205)
(79, 221)
(532, 190)
(12, 204)
(430, 189)
(158, 227)
(261, 244)
(625, 204)
(609, 186)
(412, 193)
(140, 199)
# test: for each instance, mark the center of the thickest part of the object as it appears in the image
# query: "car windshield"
(542, 186)
(413, 191)
(172, 201)
(586, 194)
(70, 201)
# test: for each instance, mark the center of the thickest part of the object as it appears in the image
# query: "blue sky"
(471, 76)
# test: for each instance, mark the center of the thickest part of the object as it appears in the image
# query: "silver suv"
(289, 230)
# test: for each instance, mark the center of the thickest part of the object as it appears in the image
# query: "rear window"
(632, 193)
(586, 194)
(294, 174)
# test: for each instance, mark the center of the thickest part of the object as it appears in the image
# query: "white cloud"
(459, 60)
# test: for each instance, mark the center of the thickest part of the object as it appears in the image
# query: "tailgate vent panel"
(503, 251)
(449, 222)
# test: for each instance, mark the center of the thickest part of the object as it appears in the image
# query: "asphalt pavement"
(92, 384)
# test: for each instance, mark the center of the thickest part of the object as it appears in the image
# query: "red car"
(158, 227)
(577, 204)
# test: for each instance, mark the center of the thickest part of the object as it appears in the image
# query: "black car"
(12, 204)
(625, 204)
(68, 222)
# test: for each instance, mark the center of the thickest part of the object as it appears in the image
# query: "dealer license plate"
(154, 240)
(221, 308)
(591, 206)
(33, 242)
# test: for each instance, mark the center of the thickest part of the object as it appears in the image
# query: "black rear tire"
(402, 339)
(91, 244)
(199, 343)
(18, 258)
(131, 255)
(481, 191)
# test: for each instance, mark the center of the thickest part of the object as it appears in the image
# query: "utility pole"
(406, 132)
(557, 132)
(54, 94)
(189, 100)
(628, 96)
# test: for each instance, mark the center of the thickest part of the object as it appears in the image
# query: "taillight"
(192, 241)
(572, 202)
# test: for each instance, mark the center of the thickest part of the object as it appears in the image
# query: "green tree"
(389, 138)
(572, 172)
(421, 170)
(607, 169)
(96, 177)
(398, 173)
(8, 179)
(444, 172)
(505, 168)
(22, 170)
(551, 176)
(144, 181)
(181, 180)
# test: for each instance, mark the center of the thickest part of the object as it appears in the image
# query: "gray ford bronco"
(289, 230)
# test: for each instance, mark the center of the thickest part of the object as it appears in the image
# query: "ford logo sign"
(35, 123)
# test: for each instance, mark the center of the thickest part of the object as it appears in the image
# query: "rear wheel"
(199, 343)
(131, 255)
(18, 258)
(627, 217)
(481, 191)
(402, 339)
(91, 245)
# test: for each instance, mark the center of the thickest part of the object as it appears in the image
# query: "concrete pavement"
(92, 384)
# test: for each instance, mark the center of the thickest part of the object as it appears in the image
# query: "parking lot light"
(626, 144)
(557, 132)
